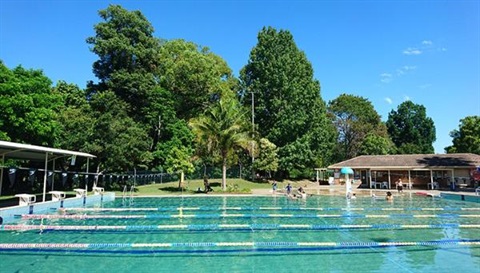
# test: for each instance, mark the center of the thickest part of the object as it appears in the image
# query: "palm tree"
(222, 128)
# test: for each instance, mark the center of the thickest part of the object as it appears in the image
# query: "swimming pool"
(249, 234)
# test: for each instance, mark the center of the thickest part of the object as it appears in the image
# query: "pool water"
(250, 234)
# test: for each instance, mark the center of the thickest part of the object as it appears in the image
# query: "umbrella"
(346, 170)
(348, 183)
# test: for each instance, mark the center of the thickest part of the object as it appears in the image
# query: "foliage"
(117, 140)
(194, 75)
(355, 118)
(467, 138)
(411, 130)
(125, 44)
(374, 144)
(267, 160)
(289, 110)
(28, 106)
(222, 129)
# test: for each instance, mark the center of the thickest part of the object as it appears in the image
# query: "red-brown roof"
(415, 161)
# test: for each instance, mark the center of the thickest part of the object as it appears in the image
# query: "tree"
(288, 106)
(194, 75)
(179, 160)
(467, 138)
(411, 130)
(374, 144)
(128, 60)
(117, 140)
(355, 118)
(267, 159)
(222, 129)
(75, 118)
(29, 107)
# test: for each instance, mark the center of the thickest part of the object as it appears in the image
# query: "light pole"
(253, 128)
(253, 135)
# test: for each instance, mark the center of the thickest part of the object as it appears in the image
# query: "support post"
(1, 174)
(45, 179)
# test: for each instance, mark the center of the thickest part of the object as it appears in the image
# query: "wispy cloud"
(404, 69)
(406, 98)
(424, 46)
(388, 100)
(427, 42)
(385, 77)
(412, 51)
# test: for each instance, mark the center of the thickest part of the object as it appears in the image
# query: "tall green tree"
(117, 140)
(467, 138)
(75, 118)
(223, 129)
(29, 106)
(128, 60)
(411, 130)
(194, 75)
(355, 118)
(289, 110)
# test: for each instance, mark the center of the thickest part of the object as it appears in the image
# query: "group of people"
(300, 193)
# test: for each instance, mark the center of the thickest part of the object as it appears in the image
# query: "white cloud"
(424, 86)
(388, 100)
(427, 42)
(404, 69)
(412, 51)
(406, 98)
(386, 77)
(409, 67)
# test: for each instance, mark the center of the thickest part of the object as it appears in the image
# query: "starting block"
(80, 192)
(58, 195)
(98, 190)
(26, 199)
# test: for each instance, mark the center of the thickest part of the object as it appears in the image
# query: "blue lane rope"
(231, 227)
(269, 208)
(292, 246)
(215, 216)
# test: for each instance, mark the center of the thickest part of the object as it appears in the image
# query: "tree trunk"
(180, 183)
(224, 174)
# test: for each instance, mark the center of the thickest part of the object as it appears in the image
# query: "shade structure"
(346, 170)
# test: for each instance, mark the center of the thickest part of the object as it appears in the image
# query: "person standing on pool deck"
(399, 185)
(274, 186)
(289, 188)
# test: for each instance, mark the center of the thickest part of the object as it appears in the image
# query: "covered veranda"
(423, 171)
(47, 155)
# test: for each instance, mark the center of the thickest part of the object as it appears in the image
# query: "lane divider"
(236, 227)
(40, 246)
(210, 216)
(269, 208)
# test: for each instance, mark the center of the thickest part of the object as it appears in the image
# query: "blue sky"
(386, 51)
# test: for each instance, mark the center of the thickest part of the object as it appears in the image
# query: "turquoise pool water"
(249, 234)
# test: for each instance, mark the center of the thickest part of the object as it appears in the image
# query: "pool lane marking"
(35, 246)
(233, 226)
(267, 208)
(210, 216)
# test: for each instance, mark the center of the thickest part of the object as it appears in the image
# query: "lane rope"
(39, 246)
(269, 208)
(214, 216)
(218, 227)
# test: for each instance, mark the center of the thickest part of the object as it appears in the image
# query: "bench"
(26, 199)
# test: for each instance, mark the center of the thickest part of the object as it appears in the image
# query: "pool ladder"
(130, 197)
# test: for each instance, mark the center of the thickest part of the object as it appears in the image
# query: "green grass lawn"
(191, 187)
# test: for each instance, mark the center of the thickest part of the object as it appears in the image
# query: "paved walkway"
(314, 188)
